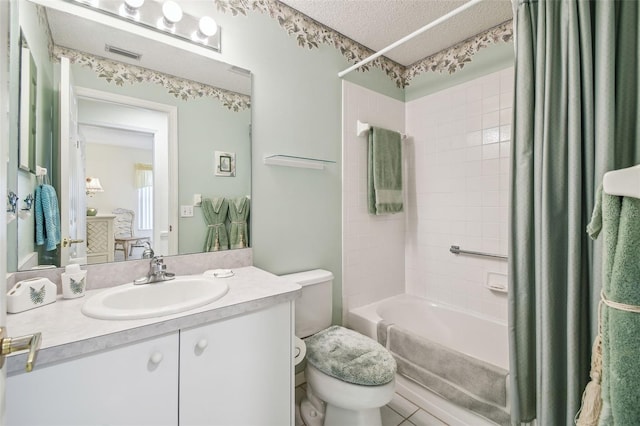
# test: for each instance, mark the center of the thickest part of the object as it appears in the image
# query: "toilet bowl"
(343, 404)
(349, 376)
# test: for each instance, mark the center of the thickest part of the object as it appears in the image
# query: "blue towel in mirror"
(47, 217)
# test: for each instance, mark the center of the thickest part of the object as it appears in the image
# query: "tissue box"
(31, 293)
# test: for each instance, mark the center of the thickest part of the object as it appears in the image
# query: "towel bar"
(458, 250)
(362, 128)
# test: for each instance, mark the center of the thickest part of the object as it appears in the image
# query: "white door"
(73, 219)
(4, 136)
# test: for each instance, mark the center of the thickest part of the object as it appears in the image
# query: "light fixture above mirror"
(166, 17)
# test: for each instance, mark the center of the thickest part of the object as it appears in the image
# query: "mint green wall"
(296, 111)
(20, 233)
(204, 126)
(12, 157)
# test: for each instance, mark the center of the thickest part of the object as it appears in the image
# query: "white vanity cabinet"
(238, 371)
(234, 371)
(136, 384)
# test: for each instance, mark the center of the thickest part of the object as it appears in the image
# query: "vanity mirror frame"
(227, 101)
(27, 108)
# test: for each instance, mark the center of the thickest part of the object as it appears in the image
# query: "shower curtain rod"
(417, 32)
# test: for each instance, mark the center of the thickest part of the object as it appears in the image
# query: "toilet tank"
(314, 307)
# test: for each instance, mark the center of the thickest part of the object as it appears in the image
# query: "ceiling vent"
(239, 70)
(122, 52)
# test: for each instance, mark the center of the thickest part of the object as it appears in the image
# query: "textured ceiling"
(378, 23)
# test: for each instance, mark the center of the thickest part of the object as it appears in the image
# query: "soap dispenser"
(74, 281)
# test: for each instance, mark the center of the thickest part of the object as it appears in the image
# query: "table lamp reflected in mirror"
(92, 187)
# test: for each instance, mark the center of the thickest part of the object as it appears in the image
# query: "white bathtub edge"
(437, 406)
(364, 320)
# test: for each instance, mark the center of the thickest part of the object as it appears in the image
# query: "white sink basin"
(131, 301)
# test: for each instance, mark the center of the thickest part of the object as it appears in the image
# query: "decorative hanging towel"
(238, 213)
(215, 213)
(47, 217)
(618, 219)
(384, 171)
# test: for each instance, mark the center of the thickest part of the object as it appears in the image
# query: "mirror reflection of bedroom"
(118, 145)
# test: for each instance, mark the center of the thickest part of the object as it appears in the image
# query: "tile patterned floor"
(399, 412)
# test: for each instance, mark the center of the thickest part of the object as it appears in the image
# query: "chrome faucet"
(157, 272)
(148, 251)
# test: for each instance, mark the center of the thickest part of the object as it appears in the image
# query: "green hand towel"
(384, 171)
(238, 213)
(619, 220)
(215, 214)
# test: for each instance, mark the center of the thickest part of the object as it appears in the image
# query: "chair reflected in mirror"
(125, 238)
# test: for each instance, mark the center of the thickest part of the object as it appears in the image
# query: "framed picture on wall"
(225, 163)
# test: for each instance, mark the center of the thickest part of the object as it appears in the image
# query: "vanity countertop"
(67, 332)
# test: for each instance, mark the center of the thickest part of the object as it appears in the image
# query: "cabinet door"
(135, 384)
(238, 371)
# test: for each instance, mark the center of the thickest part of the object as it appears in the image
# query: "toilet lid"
(350, 357)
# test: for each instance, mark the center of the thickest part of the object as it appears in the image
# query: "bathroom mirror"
(205, 105)
(27, 108)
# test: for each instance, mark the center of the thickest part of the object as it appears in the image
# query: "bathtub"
(477, 337)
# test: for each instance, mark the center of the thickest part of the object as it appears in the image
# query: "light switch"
(186, 211)
(197, 200)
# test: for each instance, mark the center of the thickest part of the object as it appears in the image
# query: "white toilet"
(349, 376)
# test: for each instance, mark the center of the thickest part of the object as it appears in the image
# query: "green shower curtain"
(576, 116)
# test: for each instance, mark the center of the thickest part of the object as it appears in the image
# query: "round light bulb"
(207, 26)
(134, 4)
(129, 9)
(172, 12)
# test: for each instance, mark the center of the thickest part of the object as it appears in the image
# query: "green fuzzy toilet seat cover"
(350, 357)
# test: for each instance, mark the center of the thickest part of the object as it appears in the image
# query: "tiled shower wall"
(372, 246)
(457, 192)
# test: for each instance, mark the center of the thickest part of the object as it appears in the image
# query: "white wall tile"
(463, 196)
(491, 103)
(506, 116)
(373, 246)
(491, 119)
(457, 180)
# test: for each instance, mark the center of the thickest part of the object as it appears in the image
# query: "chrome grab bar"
(458, 250)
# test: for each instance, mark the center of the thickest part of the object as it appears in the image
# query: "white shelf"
(623, 182)
(294, 161)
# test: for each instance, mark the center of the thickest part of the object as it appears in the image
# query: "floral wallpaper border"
(310, 34)
(456, 57)
(120, 73)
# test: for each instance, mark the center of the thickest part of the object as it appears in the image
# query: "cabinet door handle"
(202, 344)
(156, 358)
(29, 343)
